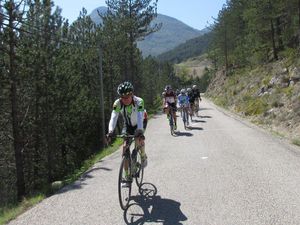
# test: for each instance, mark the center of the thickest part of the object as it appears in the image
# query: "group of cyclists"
(184, 100)
(134, 114)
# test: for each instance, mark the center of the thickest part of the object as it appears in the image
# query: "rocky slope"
(268, 95)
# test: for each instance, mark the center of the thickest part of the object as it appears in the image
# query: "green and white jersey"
(133, 114)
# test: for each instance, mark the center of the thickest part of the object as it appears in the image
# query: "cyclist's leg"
(174, 113)
(167, 110)
(187, 114)
(182, 113)
(126, 148)
(140, 146)
(196, 103)
(126, 153)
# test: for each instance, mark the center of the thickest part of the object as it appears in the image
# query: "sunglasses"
(126, 97)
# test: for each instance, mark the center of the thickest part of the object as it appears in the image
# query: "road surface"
(220, 171)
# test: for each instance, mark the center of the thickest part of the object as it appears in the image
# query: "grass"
(91, 161)
(296, 141)
(11, 212)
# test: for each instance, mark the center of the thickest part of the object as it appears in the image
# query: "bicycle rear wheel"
(139, 176)
(124, 186)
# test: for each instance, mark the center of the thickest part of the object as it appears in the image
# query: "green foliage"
(221, 101)
(290, 55)
(254, 32)
(288, 91)
(255, 106)
(205, 80)
(296, 142)
(12, 211)
(9, 213)
(56, 88)
(191, 48)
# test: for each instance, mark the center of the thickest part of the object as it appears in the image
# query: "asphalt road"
(220, 171)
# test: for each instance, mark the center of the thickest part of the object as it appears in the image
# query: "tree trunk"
(279, 34)
(273, 40)
(226, 50)
(14, 107)
(299, 22)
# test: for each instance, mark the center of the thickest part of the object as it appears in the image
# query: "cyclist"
(132, 109)
(197, 98)
(169, 100)
(191, 100)
(184, 103)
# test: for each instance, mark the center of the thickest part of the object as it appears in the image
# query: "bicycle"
(133, 164)
(171, 120)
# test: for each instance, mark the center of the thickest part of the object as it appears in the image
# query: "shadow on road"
(180, 133)
(81, 181)
(149, 207)
(202, 109)
(194, 128)
(203, 117)
(199, 121)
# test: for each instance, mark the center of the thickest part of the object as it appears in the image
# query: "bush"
(256, 107)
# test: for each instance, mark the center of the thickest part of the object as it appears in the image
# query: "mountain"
(172, 33)
(191, 48)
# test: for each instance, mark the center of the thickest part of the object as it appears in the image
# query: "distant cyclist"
(183, 100)
(169, 101)
(191, 100)
(132, 109)
(197, 98)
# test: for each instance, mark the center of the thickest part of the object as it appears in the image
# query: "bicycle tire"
(124, 198)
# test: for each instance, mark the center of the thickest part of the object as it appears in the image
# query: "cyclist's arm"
(114, 116)
(140, 115)
(164, 101)
(113, 121)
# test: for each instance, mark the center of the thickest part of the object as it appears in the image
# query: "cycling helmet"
(189, 89)
(125, 88)
(182, 91)
(194, 87)
(168, 87)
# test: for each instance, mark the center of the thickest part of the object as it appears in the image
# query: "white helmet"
(194, 86)
(182, 91)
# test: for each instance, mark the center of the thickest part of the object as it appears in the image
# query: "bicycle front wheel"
(139, 170)
(124, 184)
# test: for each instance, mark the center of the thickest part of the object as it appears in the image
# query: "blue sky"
(195, 13)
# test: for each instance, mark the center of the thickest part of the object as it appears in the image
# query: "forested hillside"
(191, 48)
(256, 50)
(50, 105)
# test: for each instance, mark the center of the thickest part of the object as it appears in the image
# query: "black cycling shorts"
(173, 105)
(131, 129)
